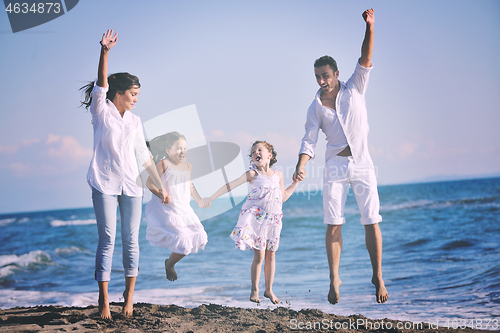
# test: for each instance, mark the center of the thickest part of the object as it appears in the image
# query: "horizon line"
(425, 180)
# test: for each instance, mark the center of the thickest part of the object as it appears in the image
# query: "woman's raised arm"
(107, 43)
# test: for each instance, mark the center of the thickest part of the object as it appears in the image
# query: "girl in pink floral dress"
(259, 224)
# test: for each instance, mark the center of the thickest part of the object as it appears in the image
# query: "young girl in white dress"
(174, 224)
(259, 224)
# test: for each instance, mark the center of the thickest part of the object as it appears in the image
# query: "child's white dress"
(175, 225)
(259, 225)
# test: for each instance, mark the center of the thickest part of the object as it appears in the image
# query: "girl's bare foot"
(254, 296)
(128, 305)
(104, 310)
(170, 271)
(380, 291)
(271, 296)
(334, 293)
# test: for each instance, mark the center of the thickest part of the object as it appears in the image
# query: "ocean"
(440, 258)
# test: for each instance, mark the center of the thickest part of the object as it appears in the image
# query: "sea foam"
(9, 263)
(60, 223)
(7, 221)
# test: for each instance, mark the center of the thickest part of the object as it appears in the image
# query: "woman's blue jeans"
(105, 208)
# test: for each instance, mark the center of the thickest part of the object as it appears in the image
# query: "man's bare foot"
(272, 297)
(254, 296)
(334, 293)
(380, 291)
(104, 310)
(128, 305)
(170, 271)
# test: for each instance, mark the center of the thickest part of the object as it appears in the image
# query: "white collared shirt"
(352, 121)
(119, 147)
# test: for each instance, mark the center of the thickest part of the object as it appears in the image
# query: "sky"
(432, 99)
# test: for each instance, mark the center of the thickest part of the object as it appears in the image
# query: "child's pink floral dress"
(259, 224)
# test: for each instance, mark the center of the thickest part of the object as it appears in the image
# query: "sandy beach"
(204, 318)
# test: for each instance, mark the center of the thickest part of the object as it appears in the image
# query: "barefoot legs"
(333, 242)
(128, 295)
(104, 310)
(258, 259)
(373, 239)
(269, 269)
(169, 265)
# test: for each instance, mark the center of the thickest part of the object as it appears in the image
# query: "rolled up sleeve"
(98, 99)
(359, 79)
(312, 129)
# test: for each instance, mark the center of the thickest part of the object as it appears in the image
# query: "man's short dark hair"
(326, 60)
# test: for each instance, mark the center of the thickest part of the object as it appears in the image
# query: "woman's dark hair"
(159, 145)
(118, 83)
(326, 60)
(270, 148)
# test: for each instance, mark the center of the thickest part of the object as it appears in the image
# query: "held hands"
(205, 203)
(369, 16)
(164, 196)
(108, 40)
(299, 175)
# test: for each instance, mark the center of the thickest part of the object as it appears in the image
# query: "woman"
(119, 146)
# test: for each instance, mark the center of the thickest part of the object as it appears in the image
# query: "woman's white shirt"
(119, 148)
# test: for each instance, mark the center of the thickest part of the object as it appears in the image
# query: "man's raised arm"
(367, 47)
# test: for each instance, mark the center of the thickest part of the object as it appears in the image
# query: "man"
(339, 111)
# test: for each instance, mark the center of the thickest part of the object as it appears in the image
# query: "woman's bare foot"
(271, 296)
(170, 271)
(254, 296)
(104, 310)
(380, 291)
(128, 305)
(334, 293)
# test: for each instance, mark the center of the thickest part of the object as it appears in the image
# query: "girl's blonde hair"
(270, 148)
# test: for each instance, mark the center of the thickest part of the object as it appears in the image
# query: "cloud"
(67, 147)
(217, 134)
(8, 149)
(407, 149)
(376, 150)
(27, 142)
(49, 156)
